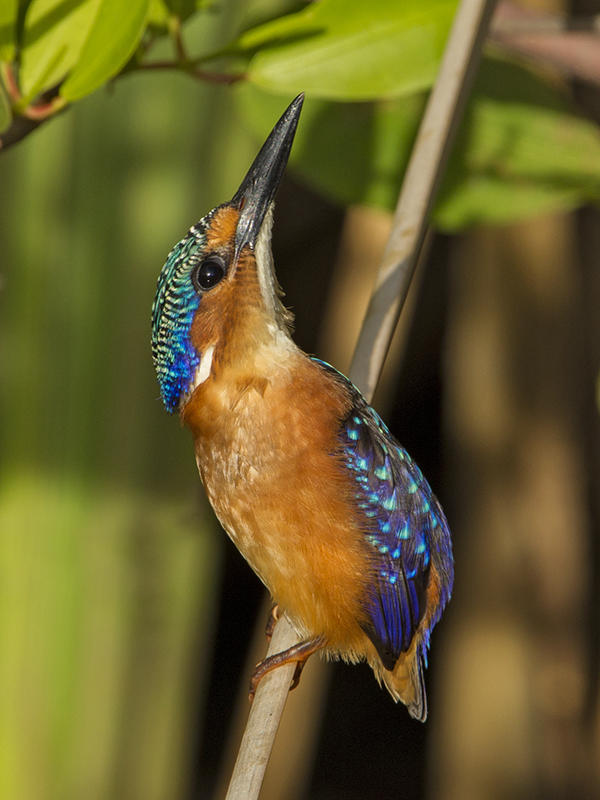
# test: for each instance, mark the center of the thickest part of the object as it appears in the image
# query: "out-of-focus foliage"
(523, 149)
(86, 42)
(5, 110)
(8, 17)
(99, 612)
(110, 42)
(108, 568)
(349, 49)
(53, 37)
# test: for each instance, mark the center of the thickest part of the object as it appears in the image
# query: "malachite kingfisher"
(328, 509)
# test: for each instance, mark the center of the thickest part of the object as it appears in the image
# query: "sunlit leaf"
(521, 150)
(54, 34)
(112, 40)
(5, 111)
(349, 49)
(258, 12)
(364, 167)
(8, 17)
(481, 199)
(158, 15)
(162, 13)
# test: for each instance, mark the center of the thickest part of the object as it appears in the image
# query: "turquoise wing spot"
(404, 532)
(402, 521)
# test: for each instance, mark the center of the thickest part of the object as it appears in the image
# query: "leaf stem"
(41, 111)
(177, 37)
(10, 82)
(423, 174)
(222, 78)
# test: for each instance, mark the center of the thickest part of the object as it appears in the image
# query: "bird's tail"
(406, 682)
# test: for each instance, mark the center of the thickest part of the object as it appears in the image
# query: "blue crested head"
(175, 304)
(206, 260)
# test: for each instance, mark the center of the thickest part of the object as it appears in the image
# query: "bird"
(327, 508)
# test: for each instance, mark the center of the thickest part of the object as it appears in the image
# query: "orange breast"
(264, 446)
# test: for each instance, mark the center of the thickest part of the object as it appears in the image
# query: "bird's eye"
(208, 273)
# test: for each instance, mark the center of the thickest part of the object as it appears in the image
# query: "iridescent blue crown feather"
(175, 304)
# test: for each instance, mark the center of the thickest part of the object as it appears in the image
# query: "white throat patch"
(204, 367)
(264, 263)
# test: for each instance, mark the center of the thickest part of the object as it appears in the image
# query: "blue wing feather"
(403, 523)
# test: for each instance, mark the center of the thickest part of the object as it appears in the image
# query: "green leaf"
(521, 149)
(255, 13)
(8, 18)
(116, 32)
(53, 37)
(365, 167)
(158, 15)
(350, 49)
(480, 199)
(183, 8)
(5, 110)
(163, 13)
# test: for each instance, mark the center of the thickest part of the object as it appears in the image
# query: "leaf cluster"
(366, 69)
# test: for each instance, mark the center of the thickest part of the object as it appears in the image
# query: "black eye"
(208, 273)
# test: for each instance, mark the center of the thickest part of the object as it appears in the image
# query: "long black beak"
(264, 176)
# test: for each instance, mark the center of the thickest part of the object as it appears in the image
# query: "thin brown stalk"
(424, 171)
(423, 174)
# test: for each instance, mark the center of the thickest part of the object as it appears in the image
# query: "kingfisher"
(328, 509)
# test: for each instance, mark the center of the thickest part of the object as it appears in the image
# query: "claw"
(272, 620)
(298, 653)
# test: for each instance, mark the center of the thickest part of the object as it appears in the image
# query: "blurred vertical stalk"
(515, 669)
(589, 246)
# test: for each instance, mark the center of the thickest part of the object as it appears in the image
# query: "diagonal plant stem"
(423, 174)
(426, 166)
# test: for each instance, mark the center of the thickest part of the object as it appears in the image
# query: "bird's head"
(217, 296)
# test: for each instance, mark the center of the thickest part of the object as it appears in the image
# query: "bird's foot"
(298, 653)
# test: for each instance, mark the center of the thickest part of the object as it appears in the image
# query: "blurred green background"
(107, 577)
(108, 572)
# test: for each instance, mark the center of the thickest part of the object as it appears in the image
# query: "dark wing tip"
(418, 708)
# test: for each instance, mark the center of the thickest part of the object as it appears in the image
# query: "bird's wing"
(399, 515)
